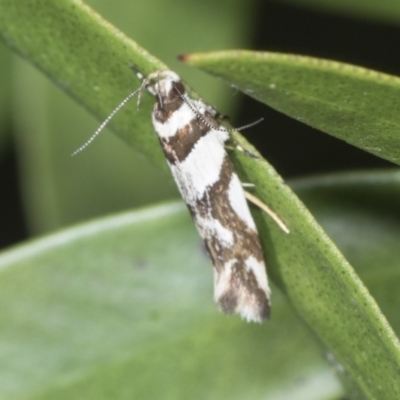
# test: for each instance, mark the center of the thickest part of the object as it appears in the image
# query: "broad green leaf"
(382, 10)
(122, 308)
(351, 103)
(113, 310)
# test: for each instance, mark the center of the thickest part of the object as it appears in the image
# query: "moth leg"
(256, 201)
(247, 184)
(234, 145)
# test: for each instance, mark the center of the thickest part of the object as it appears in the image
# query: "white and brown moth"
(194, 146)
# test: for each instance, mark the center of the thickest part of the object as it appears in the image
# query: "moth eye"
(179, 87)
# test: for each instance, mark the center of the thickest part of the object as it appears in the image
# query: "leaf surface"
(357, 105)
(122, 308)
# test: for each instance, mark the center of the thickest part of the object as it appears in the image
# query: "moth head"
(163, 83)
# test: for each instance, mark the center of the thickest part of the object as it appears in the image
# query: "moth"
(193, 141)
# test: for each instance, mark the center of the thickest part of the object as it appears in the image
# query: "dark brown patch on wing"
(178, 147)
(166, 106)
(246, 244)
(243, 280)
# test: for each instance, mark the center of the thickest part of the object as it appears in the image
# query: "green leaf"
(59, 189)
(351, 103)
(61, 37)
(88, 58)
(112, 309)
(323, 287)
(360, 211)
(122, 308)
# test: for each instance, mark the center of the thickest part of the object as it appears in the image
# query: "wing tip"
(252, 306)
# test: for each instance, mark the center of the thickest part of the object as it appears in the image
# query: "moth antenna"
(106, 121)
(202, 119)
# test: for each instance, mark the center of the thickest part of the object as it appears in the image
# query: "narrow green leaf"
(360, 211)
(323, 287)
(122, 308)
(89, 59)
(60, 190)
(351, 103)
(61, 38)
